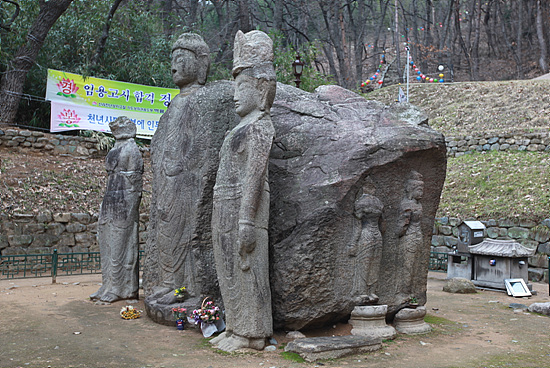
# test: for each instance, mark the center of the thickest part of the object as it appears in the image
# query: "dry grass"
(496, 184)
(463, 108)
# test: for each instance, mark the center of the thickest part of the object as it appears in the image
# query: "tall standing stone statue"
(118, 227)
(241, 199)
(184, 160)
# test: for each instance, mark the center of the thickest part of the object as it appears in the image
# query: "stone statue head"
(123, 128)
(190, 60)
(253, 71)
(415, 185)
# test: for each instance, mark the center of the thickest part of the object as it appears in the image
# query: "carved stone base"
(160, 309)
(411, 321)
(370, 320)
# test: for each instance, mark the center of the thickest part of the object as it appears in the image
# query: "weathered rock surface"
(542, 308)
(329, 146)
(316, 348)
(460, 285)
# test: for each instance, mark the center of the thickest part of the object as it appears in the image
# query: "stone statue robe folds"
(242, 182)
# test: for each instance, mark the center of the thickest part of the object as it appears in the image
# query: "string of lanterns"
(421, 77)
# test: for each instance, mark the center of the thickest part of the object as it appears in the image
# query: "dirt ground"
(56, 325)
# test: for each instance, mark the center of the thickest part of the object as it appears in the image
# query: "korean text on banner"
(108, 99)
(66, 116)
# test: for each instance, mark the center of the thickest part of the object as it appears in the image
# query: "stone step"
(316, 348)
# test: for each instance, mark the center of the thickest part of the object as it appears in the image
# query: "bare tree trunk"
(543, 62)
(396, 40)
(104, 36)
(11, 85)
(278, 14)
(519, 39)
(475, 45)
(244, 19)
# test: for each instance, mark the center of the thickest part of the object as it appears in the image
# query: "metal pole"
(408, 64)
(548, 275)
(54, 266)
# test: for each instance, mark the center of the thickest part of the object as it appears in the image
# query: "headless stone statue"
(241, 200)
(119, 216)
(410, 226)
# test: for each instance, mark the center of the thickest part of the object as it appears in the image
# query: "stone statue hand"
(247, 238)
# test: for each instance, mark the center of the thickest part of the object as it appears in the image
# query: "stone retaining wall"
(479, 142)
(51, 143)
(456, 145)
(43, 232)
(529, 234)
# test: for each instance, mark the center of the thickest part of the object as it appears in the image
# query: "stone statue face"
(247, 96)
(184, 67)
(416, 189)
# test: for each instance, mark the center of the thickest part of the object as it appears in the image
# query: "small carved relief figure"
(170, 263)
(367, 246)
(241, 199)
(410, 225)
(118, 235)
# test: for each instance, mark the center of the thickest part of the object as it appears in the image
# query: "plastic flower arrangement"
(179, 313)
(208, 313)
(180, 293)
(129, 312)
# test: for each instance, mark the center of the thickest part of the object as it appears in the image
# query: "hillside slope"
(492, 184)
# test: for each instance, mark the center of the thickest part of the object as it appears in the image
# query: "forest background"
(341, 41)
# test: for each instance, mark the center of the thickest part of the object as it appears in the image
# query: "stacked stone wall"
(535, 236)
(43, 232)
(482, 142)
(54, 144)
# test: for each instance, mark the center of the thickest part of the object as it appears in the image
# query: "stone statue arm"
(404, 220)
(259, 147)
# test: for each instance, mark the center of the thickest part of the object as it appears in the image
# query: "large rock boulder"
(460, 285)
(329, 146)
(335, 154)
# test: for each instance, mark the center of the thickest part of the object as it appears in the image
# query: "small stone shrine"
(118, 222)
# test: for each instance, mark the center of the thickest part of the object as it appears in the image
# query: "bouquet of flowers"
(179, 313)
(208, 313)
(180, 293)
(129, 312)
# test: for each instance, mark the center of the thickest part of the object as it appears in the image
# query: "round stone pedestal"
(410, 321)
(370, 320)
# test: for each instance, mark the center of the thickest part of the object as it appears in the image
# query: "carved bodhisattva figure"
(367, 246)
(118, 236)
(410, 227)
(241, 199)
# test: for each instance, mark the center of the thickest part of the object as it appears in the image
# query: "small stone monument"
(410, 321)
(370, 320)
(241, 200)
(118, 222)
